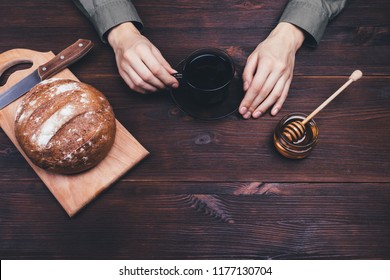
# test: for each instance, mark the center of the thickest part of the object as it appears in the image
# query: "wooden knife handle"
(65, 58)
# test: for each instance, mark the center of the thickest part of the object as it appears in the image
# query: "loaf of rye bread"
(65, 126)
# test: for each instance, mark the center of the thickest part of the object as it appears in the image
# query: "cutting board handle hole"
(8, 72)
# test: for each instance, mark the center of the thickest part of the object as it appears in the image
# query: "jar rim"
(296, 116)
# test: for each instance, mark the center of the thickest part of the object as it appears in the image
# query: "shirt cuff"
(310, 18)
(111, 14)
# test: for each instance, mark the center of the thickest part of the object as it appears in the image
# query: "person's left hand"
(269, 70)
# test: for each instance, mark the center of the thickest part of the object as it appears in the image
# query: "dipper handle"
(356, 75)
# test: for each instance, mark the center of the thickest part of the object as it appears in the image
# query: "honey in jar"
(300, 148)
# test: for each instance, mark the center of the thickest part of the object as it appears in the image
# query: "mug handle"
(178, 76)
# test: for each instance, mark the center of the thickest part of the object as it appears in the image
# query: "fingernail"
(256, 114)
(247, 115)
(275, 111)
(243, 110)
(175, 85)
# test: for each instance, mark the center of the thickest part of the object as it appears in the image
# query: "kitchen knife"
(65, 58)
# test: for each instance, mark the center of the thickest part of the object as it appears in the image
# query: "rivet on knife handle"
(68, 56)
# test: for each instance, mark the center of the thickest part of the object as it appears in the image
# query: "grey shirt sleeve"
(312, 16)
(106, 14)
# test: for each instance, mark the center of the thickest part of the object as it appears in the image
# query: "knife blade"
(65, 58)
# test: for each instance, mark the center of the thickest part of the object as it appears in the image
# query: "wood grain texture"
(351, 148)
(217, 190)
(187, 221)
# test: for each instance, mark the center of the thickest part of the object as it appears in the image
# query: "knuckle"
(138, 48)
(128, 56)
(139, 83)
(277, 95)
(256, 89)
(252, 56)
(267, 62)
(133, 86)
(122, 65)
(148, 76)
(280, 66)
(156, 70)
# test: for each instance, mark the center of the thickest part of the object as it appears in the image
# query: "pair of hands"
(267, 74)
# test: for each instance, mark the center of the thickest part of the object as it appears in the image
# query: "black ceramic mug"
(207, 74)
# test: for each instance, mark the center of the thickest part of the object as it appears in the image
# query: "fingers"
(279, 103)
(261, 96)
(266, 87)
(160, 68)
(146, 70)
(269, 70)
(267, 79)
(266, 96)
(164, 63)
(140, 63)
(135, 82)
(249, 71)
(248, 79)
(276, 97)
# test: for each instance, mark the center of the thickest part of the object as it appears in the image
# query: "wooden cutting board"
(73, 192)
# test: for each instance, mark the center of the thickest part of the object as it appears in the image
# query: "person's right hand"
(139, 62)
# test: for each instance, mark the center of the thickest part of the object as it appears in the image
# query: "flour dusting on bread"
(65, 126)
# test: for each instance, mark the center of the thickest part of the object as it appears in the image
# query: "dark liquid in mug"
(208, 71)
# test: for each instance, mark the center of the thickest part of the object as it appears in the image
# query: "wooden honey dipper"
(295, 130)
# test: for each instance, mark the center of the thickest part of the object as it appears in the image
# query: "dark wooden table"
(216, 189)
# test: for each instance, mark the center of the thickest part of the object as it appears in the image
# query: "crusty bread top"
(63, 123)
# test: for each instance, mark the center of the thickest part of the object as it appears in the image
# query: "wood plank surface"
(191, 221)
(218, 189)
(352, 143)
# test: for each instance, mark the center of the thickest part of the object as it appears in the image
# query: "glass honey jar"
(301, 148)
